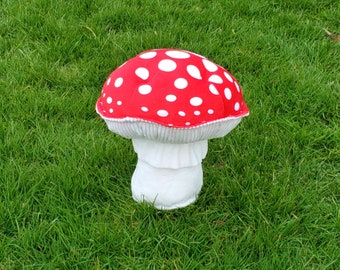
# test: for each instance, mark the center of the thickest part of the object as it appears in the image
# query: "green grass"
(271, 194)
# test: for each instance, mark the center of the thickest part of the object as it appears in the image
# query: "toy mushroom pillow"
(170, 102)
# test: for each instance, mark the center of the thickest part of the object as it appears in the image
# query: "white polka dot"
(119, 103)
(194, 72)
(170, 125)
(144, 89)
(162, 113)
(148, 55)
(111, 110)
(167, 65)
(210, 66)
(177, 54)
(227, 93)
(142, 73)
(197, 113)
(144, 109)
(215, 79)
(119, 82)
(109, 100)
(229, 78)
(237, 86)
(237, 106)
(196, 101)
(108, 81)
(210, 111)
(213, 89)
(171, 98)
(187, 123)
(181, 83)
(104, 95)
(181, 113)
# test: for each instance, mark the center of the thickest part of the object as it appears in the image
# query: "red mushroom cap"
(172, 88)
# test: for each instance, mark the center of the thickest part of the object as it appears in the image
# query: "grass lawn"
(271, 190)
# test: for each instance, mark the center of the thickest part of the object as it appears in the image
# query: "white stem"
(168, 175)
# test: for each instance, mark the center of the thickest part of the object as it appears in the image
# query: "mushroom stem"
(167, 175)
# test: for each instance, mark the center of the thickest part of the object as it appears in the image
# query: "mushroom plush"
(170, 102)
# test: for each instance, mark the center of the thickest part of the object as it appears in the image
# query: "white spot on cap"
(229, 78)
(194, 72)
(162, 113)
(118, 82)
(210, 111)
(104, 94)
(144, 109)
(181, 83)
(109, 100)
(177, 54)
(111, 110)
(227, 93)
(119, 102)
(108, 81)
(213, 89)
(144, 89)
(210, 66)
(197, 113)
(181, 113)
(187, 123)
(237, 106)
(167, 65)
(237, 86)
(215, 79)
(142, 73)
(196, 101)
(148, 55)
(171, 98)
(170, 125)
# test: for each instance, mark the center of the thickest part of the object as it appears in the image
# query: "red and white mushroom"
(170, 102)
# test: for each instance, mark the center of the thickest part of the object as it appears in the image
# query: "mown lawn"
(271, 187)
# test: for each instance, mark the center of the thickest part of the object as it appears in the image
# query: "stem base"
(166, 188)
